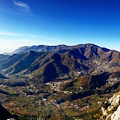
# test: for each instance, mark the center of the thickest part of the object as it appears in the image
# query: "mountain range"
(52, 63)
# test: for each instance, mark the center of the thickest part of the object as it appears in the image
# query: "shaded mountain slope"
(93, 81)
(4, 114)
(88, 81)
(23, 63)
(3, 57)
(3, 76)
(11, 60)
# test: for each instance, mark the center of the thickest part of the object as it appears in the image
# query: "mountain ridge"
(50, 48)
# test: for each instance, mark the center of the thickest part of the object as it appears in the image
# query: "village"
(32, 93)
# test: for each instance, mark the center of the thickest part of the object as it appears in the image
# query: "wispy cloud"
(14, 40)
(53, 39)
(10, 34)
(36, 36)
(27, 38)
(33, 35)
(24, 7)
(18, 34)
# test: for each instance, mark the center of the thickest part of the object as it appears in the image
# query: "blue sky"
(53, 22)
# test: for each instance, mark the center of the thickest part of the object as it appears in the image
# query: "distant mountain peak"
(39, 48)
(48, 48)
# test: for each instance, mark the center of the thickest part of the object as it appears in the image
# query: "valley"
(59, 82)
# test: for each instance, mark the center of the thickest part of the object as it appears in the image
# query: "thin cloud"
(36, 36)
(53, 39)
(33, 35)
(17, 34)
(10, 34)
(24, 7)
(28, 36)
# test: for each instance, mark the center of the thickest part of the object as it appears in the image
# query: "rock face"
(114, 101)
(116, 114)
(111, 108)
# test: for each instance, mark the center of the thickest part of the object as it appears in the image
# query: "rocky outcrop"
(111, 108)
(116, 114)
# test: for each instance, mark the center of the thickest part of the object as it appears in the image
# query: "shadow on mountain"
(4, 114)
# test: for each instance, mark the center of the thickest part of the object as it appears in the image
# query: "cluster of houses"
(55, 86)
(65, 106)
(72, 106)
(113, 80)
